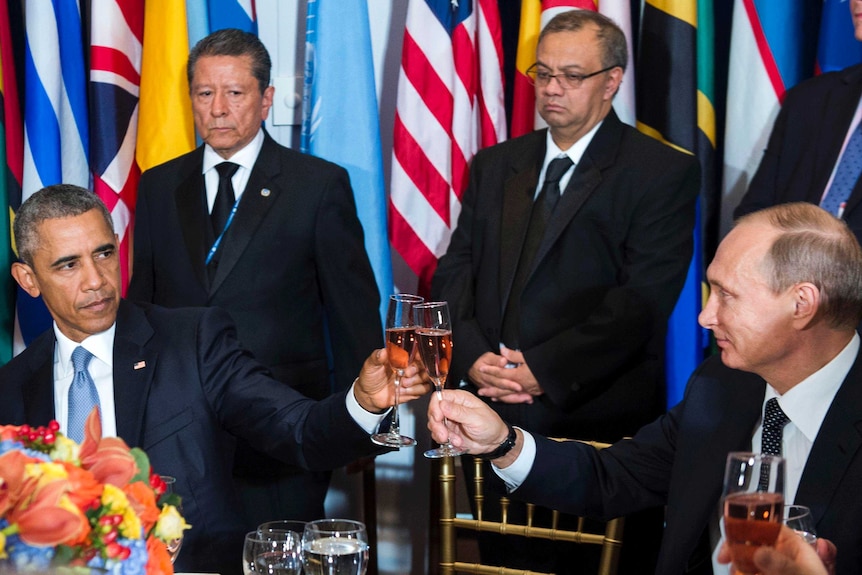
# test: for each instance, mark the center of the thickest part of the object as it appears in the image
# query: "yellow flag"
(165, 125)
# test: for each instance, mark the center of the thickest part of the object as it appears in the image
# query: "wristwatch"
(503, 448)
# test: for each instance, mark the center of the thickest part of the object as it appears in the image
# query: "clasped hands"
(504, 377)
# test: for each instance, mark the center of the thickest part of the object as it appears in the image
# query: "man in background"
(271, 236)
(570, 252)
(785, 299)
(814, 152)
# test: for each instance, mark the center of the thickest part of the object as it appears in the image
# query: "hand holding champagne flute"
(434, 340)
(753, 505)
(400, 347)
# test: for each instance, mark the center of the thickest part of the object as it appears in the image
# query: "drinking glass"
(174, 545)
(282, 525)
(335, 547)
(434, 340)
(753, 505)
(274, 552)
(400, 347)
(798, 518)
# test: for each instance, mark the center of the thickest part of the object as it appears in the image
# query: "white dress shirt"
(575, 153)
(245, 159)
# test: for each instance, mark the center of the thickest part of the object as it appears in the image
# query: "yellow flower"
(114, 499)
(171, 524)
(130, 526)
(45, 472)
(65, 450)
(3, 554)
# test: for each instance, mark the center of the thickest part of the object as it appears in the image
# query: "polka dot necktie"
(849, 168)
(774, 421)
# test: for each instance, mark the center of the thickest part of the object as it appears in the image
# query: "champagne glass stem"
(438, 389)
(395, 425)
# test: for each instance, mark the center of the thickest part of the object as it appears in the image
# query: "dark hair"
(611, 38)
(233, 42)
(52, 202)
(815, 246)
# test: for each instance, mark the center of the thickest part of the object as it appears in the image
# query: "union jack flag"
(449, 104)
(117, 30)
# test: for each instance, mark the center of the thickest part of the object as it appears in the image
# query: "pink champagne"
(435, 347)
(400, 342)
(751, 520)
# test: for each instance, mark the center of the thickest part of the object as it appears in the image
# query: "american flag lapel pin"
(140, 365)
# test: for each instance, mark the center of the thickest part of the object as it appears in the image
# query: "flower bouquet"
(94, 507)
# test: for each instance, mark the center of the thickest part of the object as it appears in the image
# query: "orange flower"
(142, 498)
(107, 458)
(47, 518)
(158, 560)
(12, 479)
(84, 489)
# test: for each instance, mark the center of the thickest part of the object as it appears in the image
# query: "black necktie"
(543, 207)
(774, 420)
(224, 199)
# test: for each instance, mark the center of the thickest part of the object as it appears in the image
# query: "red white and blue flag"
(449, 104)
(117, 33)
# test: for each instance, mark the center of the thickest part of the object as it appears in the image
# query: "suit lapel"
(257, 199)
(193, 216)
(134, 369)
(836, 445)
(39, 392)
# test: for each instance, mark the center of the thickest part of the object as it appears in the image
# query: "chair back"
(610, 540)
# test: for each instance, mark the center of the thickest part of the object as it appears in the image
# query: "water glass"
(798, 518)
(335, 547)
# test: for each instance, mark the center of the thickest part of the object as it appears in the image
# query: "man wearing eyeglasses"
(562, 274)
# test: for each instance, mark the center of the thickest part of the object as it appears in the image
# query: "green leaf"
(143, 463)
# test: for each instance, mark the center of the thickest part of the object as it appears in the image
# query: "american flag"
(449, 104)
(117, 30)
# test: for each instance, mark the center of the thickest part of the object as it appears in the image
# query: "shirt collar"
(246, 157)
(100, 345)
(575, 153)
(807, 402)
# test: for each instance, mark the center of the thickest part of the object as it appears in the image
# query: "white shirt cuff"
(514, 475)
(365, 419)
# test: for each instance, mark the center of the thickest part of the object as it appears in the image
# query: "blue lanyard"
(216, 244)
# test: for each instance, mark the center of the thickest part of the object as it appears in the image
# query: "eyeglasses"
(568, 80)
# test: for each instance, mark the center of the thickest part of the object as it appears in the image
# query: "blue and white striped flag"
(55, 121)
(340, 92)
(232, 14)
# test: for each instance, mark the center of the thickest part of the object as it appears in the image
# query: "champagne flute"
(335, 547)
(798, 518)
(434, 340)
(753, 505)
(174, 545)
(400, 347)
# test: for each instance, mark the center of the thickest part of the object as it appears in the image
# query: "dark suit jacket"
(604, 280)
(293, 263)
(197, 392)
(805, 144)
(679, 460)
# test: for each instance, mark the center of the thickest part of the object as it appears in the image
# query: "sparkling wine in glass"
(173, 546)
(434, 340)
(753, 505)
(335, 547)
(400, 347)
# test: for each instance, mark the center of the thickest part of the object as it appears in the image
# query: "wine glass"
(434, 340)
(273, 552)
(335, 547)
(282, 525)
(798, 518)
(173, 546)
(753, 505)
(400, 346)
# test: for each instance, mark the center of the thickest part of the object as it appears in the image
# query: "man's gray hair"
(814, 246)
(233, 42)
(52, 202)
(612, 39)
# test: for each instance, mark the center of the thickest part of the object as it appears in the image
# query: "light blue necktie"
(849, 168)
(82, 395)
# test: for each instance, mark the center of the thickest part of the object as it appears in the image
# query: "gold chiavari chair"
(610, 540)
